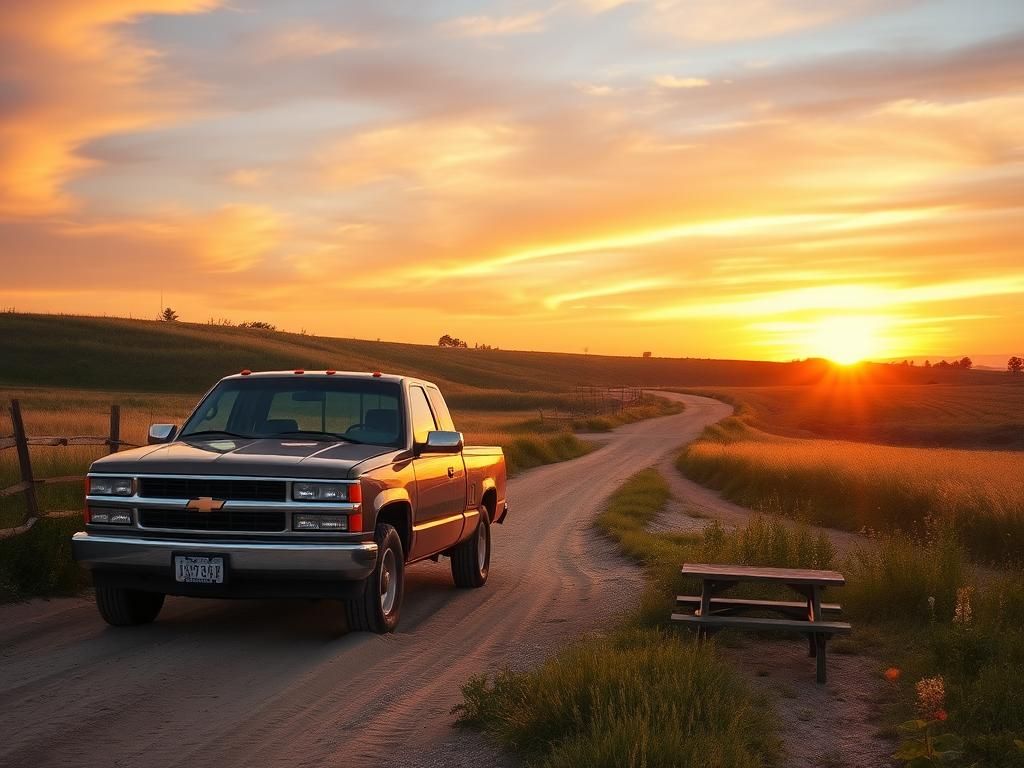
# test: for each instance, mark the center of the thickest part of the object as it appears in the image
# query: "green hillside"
(150, 356)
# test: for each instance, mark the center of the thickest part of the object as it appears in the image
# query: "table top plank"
(805, 576)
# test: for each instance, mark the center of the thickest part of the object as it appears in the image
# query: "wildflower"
(941, 715)
(931, 694)
(892, 674)
(964, 612)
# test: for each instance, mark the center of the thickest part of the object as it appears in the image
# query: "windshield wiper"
(317, 433)
(207, 432)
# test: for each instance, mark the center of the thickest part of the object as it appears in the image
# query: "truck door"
(440, 486)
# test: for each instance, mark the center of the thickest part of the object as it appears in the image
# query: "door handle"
(451, 472)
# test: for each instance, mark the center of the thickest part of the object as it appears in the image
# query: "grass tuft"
(640, 697)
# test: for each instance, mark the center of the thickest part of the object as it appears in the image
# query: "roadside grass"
(39, 562)
(855, 486)
(930, 613)
(918, 602)
(641, 696)
(920, 606)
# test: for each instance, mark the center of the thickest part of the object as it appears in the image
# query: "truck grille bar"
(217, 488)
(264, 521)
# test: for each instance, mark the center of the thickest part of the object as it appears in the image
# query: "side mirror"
(161, 433)
(442, 442)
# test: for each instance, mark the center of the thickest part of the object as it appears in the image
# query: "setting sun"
(845, 339)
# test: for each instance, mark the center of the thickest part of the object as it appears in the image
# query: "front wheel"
(127, 607)
(471, 560)
(375, 608)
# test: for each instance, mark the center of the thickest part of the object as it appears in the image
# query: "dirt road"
(252, 683)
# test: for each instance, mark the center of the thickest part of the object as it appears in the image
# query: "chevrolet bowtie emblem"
(205, 504)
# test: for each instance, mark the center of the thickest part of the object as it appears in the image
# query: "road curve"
(252, 683)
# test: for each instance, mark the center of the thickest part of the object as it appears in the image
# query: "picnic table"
(810, 615)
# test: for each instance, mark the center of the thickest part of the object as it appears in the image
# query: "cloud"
(604, 291)
(496, 26)
(714, 21)
(306, 40)
(671, 81)
(80, 76)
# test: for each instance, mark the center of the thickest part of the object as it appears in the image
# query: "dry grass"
(857, 485)
(965, 415)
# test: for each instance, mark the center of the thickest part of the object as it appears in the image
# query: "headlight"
(109, 516)
(110, 486)
(326, 492)
(320, 522)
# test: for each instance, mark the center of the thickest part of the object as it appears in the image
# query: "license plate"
(194, 569)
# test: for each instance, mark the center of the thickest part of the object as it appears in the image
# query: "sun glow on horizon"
(846, 339)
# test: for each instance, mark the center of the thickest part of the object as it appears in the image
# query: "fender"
(389, 496)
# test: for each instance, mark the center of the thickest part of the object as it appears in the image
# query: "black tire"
(375, 608)
(127, 607)
(471, 559)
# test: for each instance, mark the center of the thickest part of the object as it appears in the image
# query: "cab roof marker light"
(246, 371)
(299, 371)
(376, 374)
(330, 372)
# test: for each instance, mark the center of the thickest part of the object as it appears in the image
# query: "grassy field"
(641, 697)
(858, 486)
(918, 609)
(147, 356)
(912, 456)
(989, 414)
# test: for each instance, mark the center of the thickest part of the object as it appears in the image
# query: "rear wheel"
(127, 607)
(376, 607)
(471, 560)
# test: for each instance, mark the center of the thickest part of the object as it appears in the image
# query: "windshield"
(334, 409)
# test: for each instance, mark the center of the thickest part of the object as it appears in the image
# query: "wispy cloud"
(496, 26)
(672, 81)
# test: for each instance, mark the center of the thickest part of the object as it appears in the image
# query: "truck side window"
(444, 418)
(422, 418)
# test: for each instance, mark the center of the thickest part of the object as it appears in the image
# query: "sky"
(766, 179)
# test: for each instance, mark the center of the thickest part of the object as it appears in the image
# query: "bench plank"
(745, 622)
(807, 576)
(738, 604)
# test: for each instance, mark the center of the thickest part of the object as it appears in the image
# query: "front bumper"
(264, 560)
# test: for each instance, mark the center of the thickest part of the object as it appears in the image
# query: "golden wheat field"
(860, 485)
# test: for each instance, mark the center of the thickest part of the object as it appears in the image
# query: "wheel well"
(490, 501)
(399, 515)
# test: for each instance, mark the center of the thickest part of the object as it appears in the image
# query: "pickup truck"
(306, 484)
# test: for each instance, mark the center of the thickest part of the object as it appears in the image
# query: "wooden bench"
(726, 606)
(806, 617)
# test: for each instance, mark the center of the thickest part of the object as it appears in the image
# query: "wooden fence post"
(21, 441)
(115, 428)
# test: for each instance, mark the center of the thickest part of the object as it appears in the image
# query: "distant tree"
(1015, 365)
(942, 364)
(647, 355)
(258, 324)
(168, 315)
(450, 341)
(966, 363)
(927, 363)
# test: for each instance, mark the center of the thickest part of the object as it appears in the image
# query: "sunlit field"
(863, 486)
(966, 415)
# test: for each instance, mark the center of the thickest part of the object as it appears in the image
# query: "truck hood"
(259, 457)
